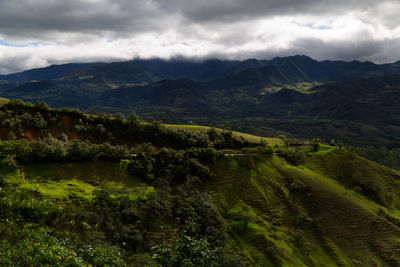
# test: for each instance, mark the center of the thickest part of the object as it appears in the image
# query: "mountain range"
(262, 96)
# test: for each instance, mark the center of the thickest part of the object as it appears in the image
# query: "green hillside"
(247, 137)
(279, 214)
(275, 214)
(101, 190)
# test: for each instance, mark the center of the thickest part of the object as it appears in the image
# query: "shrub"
(293, 155)
(8, 163)
(40, 248)
(314, 145)
(115, 214)
(187, 251)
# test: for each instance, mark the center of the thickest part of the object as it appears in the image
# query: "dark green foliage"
(117, 217)
(97, 256)
(295, 156)
(38, 248)
(213, 134)
(173, 165)
(187, 251)
(7, 163)
(39, 121)
(314, 145)
(157, 209)
(198, 216)
(141, 166)
(41, 248)
(52, 149)
(207, 156)
(385, 156)
(24, 206)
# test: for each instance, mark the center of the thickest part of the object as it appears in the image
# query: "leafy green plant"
(295, 156)
(38, 247)
(186, 251)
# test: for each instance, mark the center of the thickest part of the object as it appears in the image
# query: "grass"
(303, 87)
(343, 218)
(247, 137)
(63, 189)
(324, 224)
(67, 181)
(98, 172)
(323, 149)
(263, 192)
(376, 182)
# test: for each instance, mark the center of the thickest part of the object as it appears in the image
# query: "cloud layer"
(36, 33)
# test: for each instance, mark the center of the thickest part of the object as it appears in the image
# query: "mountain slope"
(182, 68)
(280, 215)
(307, 69)
(51, 72)
(356, 102)
(249, 79)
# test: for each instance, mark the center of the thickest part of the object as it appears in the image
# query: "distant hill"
(252, 95)
(138, 70)
(179, 68)
(51, 72)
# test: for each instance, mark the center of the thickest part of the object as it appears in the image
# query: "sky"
(38, 33)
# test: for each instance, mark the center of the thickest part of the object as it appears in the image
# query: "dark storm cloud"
(36, 17)
(27, 18)
(233, 10)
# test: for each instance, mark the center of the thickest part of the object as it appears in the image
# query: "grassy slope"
(322, 224)
(66, 181)
(248, 137)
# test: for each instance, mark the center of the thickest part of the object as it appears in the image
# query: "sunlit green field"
(248, 137)
(64, 180)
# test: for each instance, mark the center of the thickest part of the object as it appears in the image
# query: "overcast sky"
(37, 33)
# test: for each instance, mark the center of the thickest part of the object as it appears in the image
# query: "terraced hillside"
(282, 215)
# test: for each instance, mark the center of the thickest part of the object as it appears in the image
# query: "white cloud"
(43, 32)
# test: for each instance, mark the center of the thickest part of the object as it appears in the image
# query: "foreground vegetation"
(175, 196)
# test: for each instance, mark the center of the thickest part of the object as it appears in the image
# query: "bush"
(41, 248)
(293, 155)
(314, 145)
(8, 163)
(115, 214)
(24, 205)
(173, 165)
(187, 251)
(51, 149)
